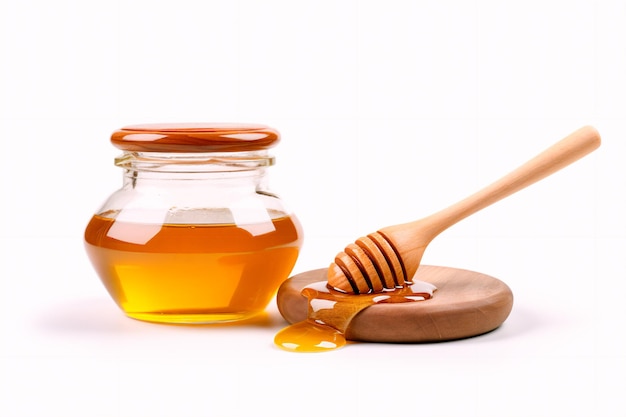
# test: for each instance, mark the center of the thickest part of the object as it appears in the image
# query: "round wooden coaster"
(465, 304)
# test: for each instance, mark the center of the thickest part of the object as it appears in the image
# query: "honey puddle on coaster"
(330, 312)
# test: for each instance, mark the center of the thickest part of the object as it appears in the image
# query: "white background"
(389, 111)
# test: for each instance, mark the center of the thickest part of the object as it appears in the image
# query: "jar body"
(199, 246)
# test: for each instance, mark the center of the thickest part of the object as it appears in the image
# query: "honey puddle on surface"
(330, 313)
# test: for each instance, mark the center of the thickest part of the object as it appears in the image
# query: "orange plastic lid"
(195, 137)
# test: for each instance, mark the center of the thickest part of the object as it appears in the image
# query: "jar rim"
(195, 137)
(184, 162)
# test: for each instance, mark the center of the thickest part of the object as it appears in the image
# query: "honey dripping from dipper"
(330, 313)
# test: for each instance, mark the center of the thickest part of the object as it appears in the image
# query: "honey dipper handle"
(556, 157)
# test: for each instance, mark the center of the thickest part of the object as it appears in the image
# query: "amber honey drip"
(185, 273)
(330, 313)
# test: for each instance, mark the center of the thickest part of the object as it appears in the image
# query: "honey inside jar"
(191, 273)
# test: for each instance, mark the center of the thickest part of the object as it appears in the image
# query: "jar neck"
(242, 169)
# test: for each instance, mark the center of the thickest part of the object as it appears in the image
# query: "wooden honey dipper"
(388, 258)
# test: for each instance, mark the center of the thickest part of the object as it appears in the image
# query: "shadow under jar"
(194, 235)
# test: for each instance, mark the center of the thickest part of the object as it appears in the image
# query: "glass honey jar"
(194, 235)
